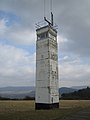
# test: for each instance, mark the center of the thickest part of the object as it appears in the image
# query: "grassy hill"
(83, 94)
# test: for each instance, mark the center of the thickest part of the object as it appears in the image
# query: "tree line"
(83, 94)
(26, 98)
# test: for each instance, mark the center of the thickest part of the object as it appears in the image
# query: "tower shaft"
(47, 84)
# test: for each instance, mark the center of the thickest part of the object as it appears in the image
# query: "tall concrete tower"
(47, 84)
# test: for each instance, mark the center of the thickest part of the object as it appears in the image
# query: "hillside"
(17, 92)
(83, 94)
(66, 90)
(80, 87)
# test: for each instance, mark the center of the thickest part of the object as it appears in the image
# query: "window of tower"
(42, 36)
(38, 37)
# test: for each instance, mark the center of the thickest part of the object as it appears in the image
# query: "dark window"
(42, 36)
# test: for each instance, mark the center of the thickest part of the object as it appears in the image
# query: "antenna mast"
(49, 22)
(51, 12)
(51, 5)
(44, 8)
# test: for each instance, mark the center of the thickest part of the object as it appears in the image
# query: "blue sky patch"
(9, 17)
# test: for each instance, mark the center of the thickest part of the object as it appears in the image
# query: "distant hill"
(19, 88)
(22, 92)
(17, 92)
(83, 94)
(66, 90)
(80, 87)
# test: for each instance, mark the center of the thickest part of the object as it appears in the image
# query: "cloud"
(3, 28)
(73, 19)
(71, 16)
(16, 66)
(74, 73)
(23, 37)
(73, 24)
(16, 34)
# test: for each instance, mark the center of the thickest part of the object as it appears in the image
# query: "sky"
(18, 40)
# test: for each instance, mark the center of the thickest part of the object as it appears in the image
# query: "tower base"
(39, 106)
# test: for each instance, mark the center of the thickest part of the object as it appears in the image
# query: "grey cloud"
(17, 66)
(73, 19)
(74, 74)
(29, 10)
(75, 26)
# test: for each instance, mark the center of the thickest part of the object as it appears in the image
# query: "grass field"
(25, 110)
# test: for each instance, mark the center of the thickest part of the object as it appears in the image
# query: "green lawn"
(25, 110)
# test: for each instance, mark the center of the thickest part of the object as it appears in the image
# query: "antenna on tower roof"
(44, 8)
(51, 5)
(49, 22)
